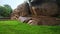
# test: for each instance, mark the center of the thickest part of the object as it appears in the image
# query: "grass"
(16, 27)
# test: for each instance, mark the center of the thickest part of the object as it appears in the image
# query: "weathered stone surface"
(46, 9)
(21, 10)
(24, 19)
(15, 14)
(44, 20)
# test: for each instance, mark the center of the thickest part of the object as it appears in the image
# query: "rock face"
(44, 20)
(43, 13)
(21, 10)
(15, 14)
(46, 9)
(24, 19)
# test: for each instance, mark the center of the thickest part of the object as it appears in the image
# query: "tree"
(2, 11)
(5, 11)
(9, 9)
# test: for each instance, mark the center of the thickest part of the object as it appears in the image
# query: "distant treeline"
(5, 11)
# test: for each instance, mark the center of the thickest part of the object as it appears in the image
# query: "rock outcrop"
(21, 10)
(46, 9)
(44, 20)
(43, 13)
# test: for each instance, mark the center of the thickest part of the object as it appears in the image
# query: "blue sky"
(12, 3)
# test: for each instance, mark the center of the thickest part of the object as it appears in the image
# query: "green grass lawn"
(16, 27)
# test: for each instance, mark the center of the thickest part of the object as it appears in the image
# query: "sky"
(12, 3)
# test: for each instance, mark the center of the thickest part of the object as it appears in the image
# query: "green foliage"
(9, 9)
(5, 10)
(16, 27)
(2, 11)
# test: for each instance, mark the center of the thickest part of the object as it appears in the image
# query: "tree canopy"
(5, 10)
